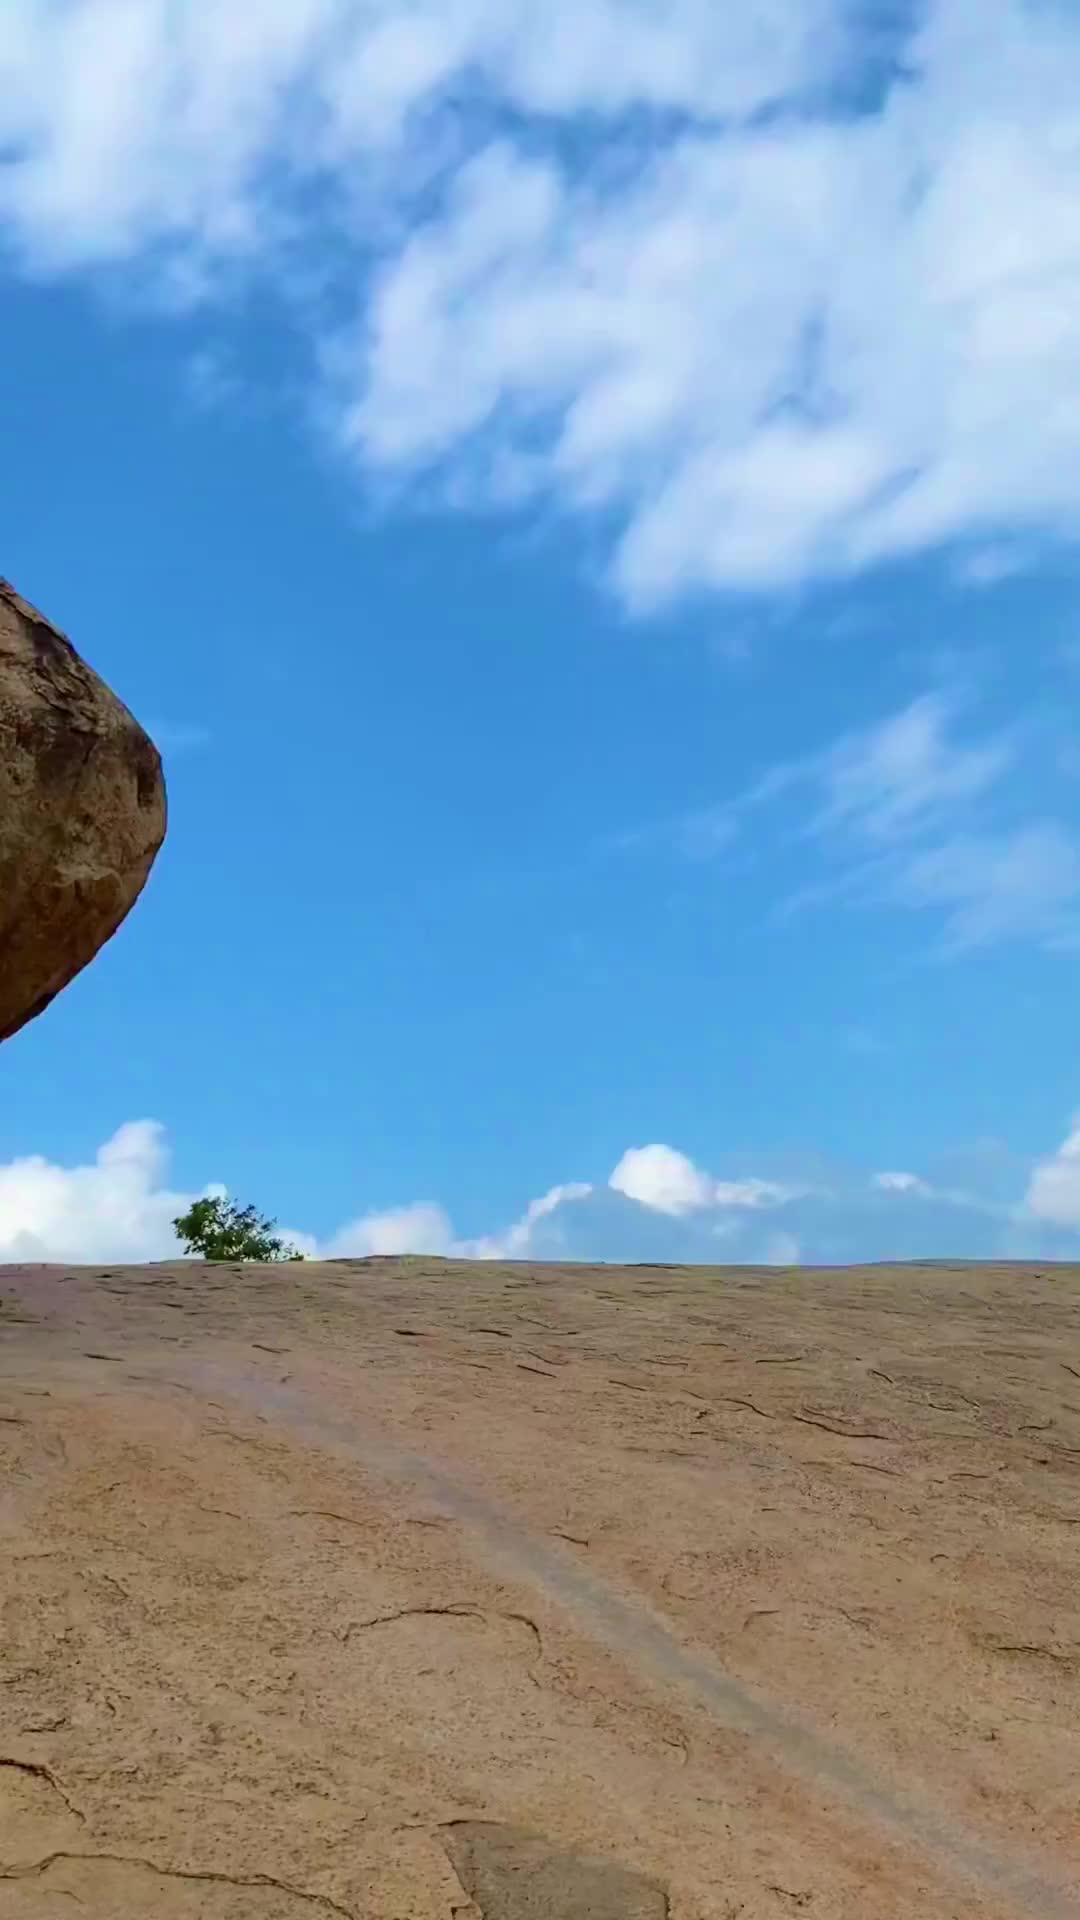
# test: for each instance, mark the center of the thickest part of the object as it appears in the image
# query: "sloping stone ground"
(397, 1590)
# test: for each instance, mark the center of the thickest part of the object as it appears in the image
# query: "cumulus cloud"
(421, 1228)
(664, 1180)
(779, 292)
(120, 1207)
(116, 1208)
(425, 1228)
(661, 1178)
(656, 1205)
(1053, 1194)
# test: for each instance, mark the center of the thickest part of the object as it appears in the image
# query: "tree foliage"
(219, 1229)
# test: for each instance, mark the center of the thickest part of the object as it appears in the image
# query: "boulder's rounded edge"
(83, 811)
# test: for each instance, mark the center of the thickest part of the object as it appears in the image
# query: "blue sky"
(587, 504)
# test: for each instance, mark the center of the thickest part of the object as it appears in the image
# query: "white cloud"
(133, 123)
(907, 773)
(916, 815)
(1053, 1194)
(116, 1208)
(779, 298)
(516, 1242)
(425, 1228)
(657, 1205)
(664, 1180)
(661, 1178)
(900, 1183)
(1022, 883)
(421, 1228)
(119, 1208)
(919, 812)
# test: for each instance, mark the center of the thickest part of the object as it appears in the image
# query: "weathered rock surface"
(409, 1589)
(82, 812)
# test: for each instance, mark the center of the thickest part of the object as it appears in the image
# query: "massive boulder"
(82, 812)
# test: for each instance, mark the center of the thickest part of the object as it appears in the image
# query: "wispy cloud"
(918, 811)
(1019, 884)
(775, 295)
(917, 814)
(904, 776)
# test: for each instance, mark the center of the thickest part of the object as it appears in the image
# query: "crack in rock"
(453, 1612)
(803, 1419)
(207, 1876)
(327, 1513)
(37, 1771)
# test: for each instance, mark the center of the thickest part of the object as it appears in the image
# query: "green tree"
(222, 1230)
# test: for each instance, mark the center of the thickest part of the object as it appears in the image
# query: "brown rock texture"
(82, 812)
(409, 1590)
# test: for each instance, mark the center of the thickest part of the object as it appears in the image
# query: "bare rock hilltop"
(410, 1590)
